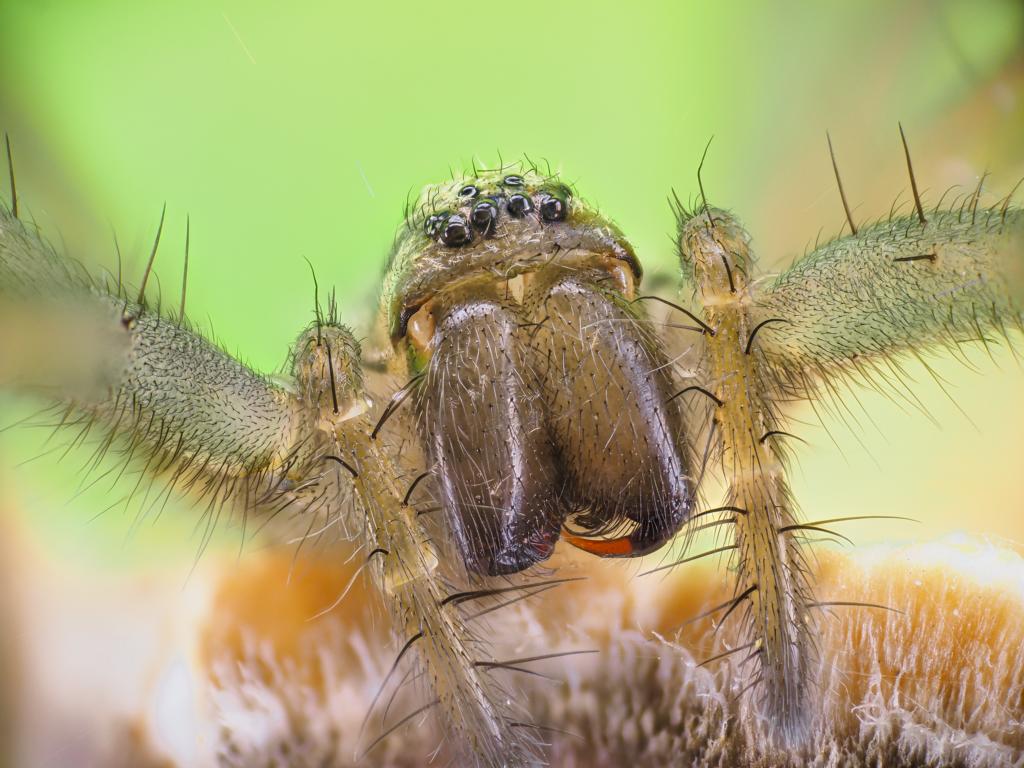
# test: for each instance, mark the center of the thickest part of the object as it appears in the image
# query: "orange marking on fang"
(620, 547)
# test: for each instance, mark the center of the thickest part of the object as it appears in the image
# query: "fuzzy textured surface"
(939, 684)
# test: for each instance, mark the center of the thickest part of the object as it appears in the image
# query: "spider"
(532, 393)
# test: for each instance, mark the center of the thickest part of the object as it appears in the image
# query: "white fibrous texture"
(939, 683)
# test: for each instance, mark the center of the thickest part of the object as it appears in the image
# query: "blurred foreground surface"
(233, 672)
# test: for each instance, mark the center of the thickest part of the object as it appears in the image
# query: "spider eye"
(519, 205)
(513, 181)
(468, 192)
(434, 224)
(456, 231)
(554, 206)
(484, 217)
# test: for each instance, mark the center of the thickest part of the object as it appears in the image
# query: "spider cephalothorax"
(502, 223)
(544, 394)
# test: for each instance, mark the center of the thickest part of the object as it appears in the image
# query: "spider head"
(545, 396)
(494, 226)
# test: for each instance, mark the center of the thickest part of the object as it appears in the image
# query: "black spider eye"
(519, 205)
(513, 181)
(484, 217)
(434, 224)
(469, 192)
(456, 231)
(554, 206)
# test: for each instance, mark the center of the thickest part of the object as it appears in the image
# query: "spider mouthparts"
(357, 407)
(421, 328)
(516, 288)
(623, 276)
(617, 547)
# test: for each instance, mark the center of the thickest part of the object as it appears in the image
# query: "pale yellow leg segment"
(772, 594)
(403, 563)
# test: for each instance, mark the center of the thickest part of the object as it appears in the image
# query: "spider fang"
(421, 329)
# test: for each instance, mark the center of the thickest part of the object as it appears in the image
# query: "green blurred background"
(292, 131)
